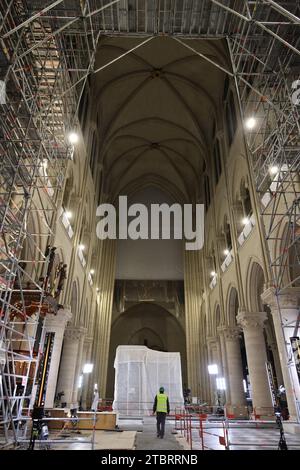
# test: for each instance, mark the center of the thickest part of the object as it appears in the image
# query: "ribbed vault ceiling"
(156, 109)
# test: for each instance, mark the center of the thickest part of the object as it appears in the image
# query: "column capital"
(285, 300)
(88, 340)
(231, 333)
(75, 333)
(236, 206)
(249, 320)
(211, 341)
(220, 237)
(273, 346)
(60, 319)
(76, 199)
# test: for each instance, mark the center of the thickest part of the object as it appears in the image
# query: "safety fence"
(206, 431)
(213, 412)
(187, 423)
(256, 414)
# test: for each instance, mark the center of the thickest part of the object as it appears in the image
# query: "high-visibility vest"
(161, 406)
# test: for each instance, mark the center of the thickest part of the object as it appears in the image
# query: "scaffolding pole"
(39, 65)
(47, 53)
(265, 69)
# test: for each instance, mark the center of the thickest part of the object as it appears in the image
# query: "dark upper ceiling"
(156, 109)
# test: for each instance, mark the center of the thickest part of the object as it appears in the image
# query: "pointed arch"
(255, 286)
(232, 306)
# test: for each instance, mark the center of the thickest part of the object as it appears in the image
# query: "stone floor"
(147, 440)
(140, 434)
(112, 440)
(242, 436)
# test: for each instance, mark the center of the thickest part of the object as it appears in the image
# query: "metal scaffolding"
(43, 75)
(266, 67)
(263, 44)
(47, 53)
(265, 57)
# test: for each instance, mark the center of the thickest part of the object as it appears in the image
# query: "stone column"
(79, 365)
(206, 378)
(224, 363)
(193, 301)
(204, 393)
(87, 352)
(214, 358)
(252, 324)
(214, 351)
(209, 361)
(285, 310)
(55, 324)
(68, 363)
(188, 285)
(102, 330)
(235, 369)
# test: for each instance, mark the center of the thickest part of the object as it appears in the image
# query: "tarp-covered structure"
(139, 373)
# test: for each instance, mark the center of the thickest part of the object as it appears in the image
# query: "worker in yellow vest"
(161, 407)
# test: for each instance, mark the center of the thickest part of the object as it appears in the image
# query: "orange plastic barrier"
(223, 439)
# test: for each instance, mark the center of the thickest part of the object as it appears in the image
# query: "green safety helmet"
(161, 390)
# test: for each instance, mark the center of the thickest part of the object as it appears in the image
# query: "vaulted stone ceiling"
(156, 109)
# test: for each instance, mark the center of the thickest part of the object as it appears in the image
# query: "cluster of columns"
(55, 324)
(71, 350)
(102, 329)
(285, 311)
(233, 368)
(71, 364)
(74, 345)
(193, 297)
(224, 350)
(252, 324)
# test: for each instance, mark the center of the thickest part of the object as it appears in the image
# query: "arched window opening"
(67, 193)
(217, 160)
(211, 265)
(206, 192)
(218, 317)
(226, 88)
(99, 186)
(246, 202)
(233, 306)
(93, 154)
(256, 287)
(227, 234)
(289, 255)
(231, 119)
(74, 300)
(84, 106)
(294, 259)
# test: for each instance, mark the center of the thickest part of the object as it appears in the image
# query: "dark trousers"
(160, 423)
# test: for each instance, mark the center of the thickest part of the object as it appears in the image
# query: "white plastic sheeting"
(139, 373)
